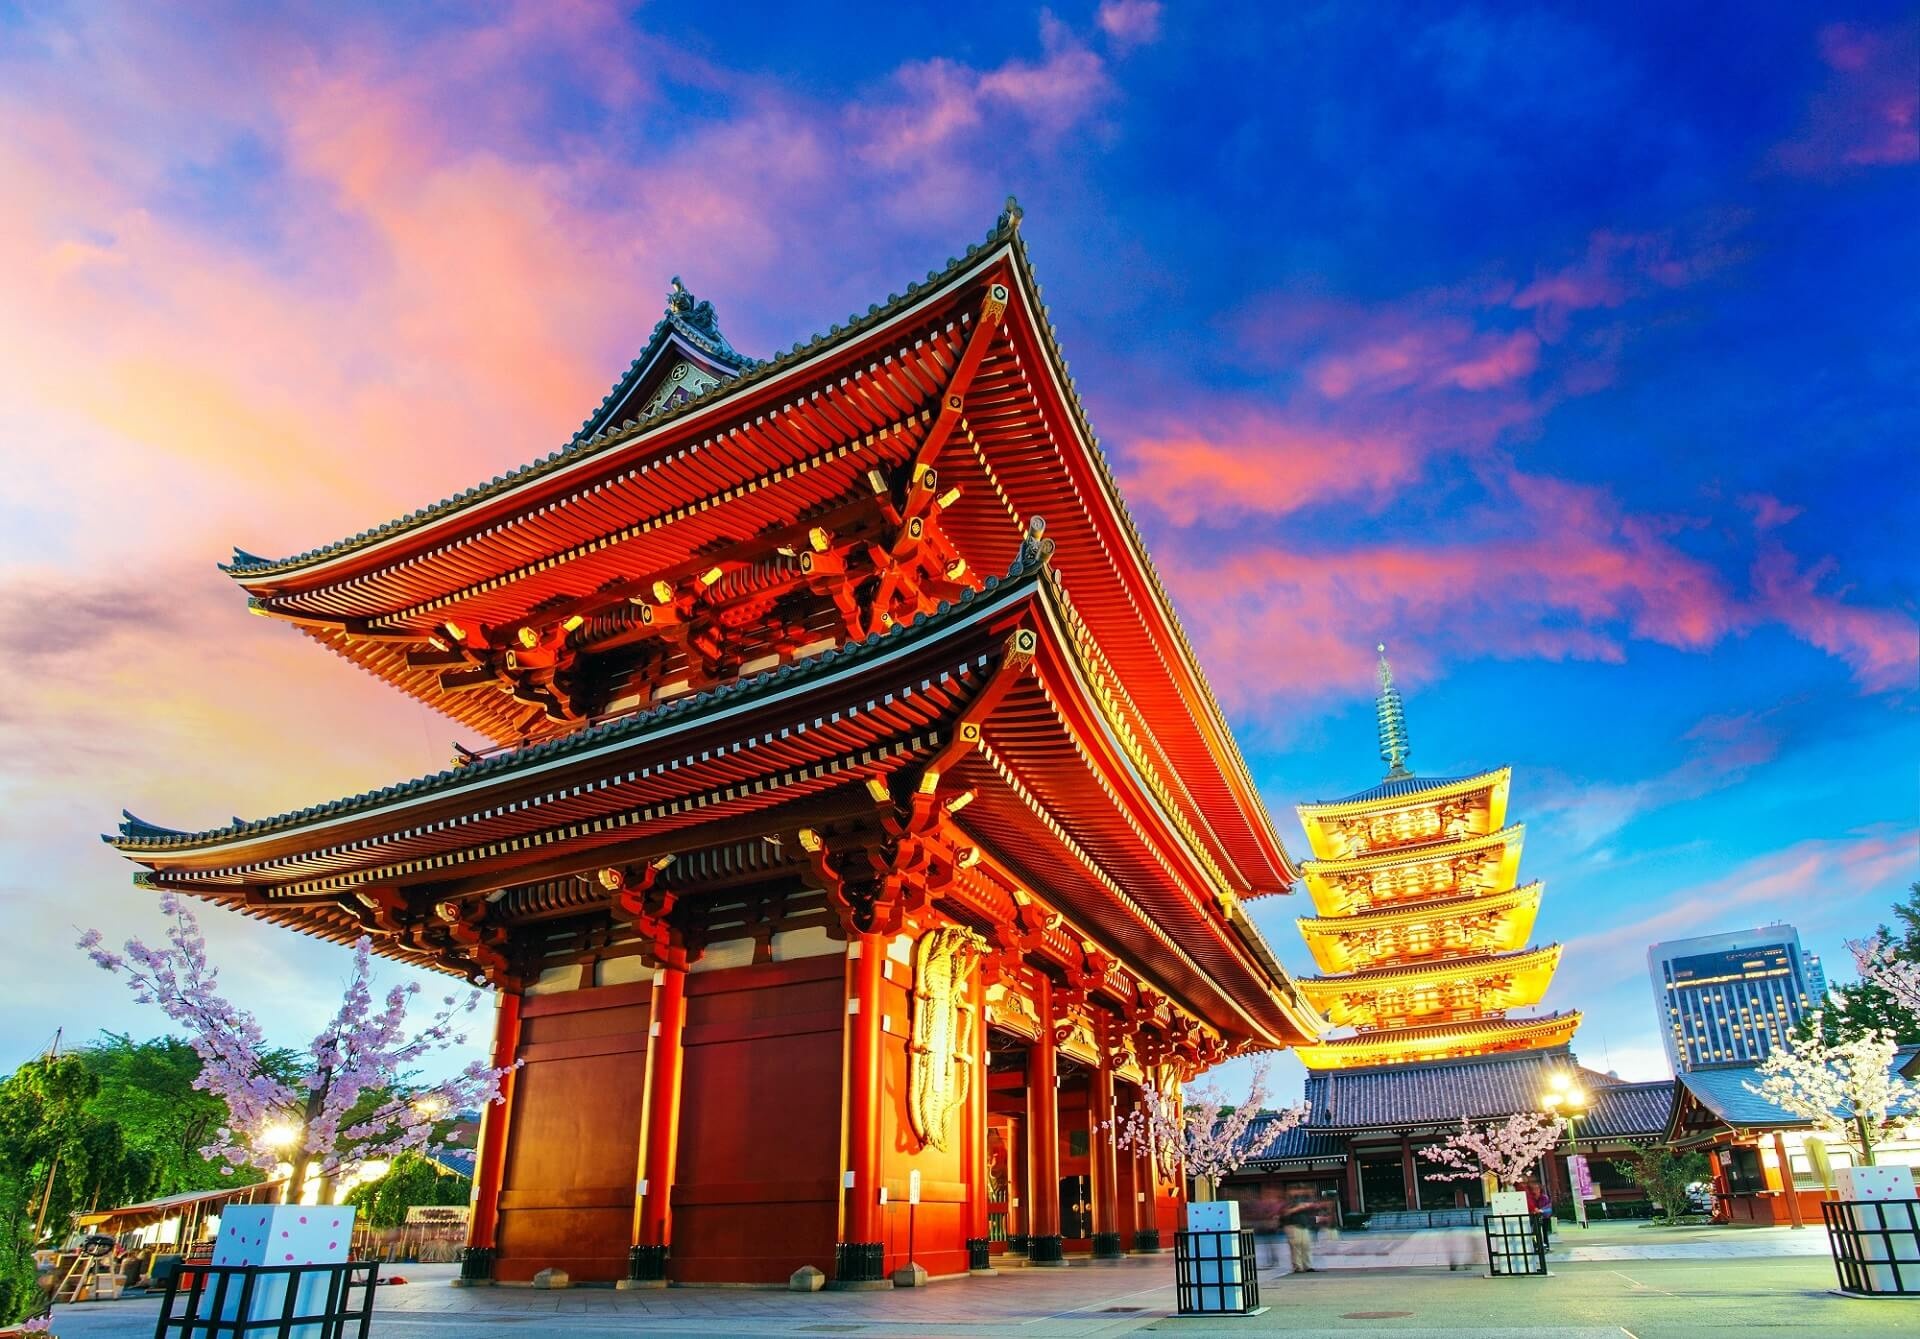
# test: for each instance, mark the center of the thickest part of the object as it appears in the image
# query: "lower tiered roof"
(1057, 799)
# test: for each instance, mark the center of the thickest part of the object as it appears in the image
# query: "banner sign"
(1583, 1177)
(437, 1215)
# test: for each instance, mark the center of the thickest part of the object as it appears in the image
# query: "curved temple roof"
(782, 438)
(1104, 843)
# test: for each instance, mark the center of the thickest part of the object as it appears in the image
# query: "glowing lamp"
(280, 1135)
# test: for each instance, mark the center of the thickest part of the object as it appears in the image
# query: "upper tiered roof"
(662, 505)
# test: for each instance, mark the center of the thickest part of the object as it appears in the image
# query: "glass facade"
(1730, 998)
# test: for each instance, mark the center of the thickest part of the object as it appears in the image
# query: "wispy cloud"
(1795, 884)
(1867, 114)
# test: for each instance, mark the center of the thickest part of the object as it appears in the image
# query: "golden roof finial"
(1392, 715)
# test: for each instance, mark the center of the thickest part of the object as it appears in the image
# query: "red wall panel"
(567, 1192)
(756, 1194)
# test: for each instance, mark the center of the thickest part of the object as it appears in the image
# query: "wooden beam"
(992, 309)
(839, 805)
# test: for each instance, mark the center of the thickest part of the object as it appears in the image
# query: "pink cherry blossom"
(1880, 965)
(1508, 1150)
(362, 1050)
(1186, 1132)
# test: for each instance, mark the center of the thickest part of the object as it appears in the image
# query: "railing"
(1516, 1245)
(1875, 1245)
(281, 1301)
(1215, 1274)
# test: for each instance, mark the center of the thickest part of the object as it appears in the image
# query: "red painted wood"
(1043, 1119)
(567, 1192)
(491, 1155)
(865, 958)
(758, 1110)
(660, 1110)
(1106, 1162)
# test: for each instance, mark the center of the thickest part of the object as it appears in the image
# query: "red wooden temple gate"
(826, 847)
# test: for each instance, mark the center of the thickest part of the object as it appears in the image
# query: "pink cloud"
(1794, 884)
(1431, 354)
(1881, 646)
(1261, 463)
(1868, 112)
(1567, 574)
(1768, 512)
(1619, 267)
(939, 101)
(1130, 22)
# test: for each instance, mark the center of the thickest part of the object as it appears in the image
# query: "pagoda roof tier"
(992, 704)
(1345, 1000)
(960, 375)
(1324, 878)
(1440, 1041)
(1512, 914)
(1490, 789)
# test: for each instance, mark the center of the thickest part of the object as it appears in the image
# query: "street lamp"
(1568, 1099)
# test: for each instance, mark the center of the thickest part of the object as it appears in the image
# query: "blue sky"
(1569, 350)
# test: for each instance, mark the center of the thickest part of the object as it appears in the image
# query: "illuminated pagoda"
(850, 846)
(1421, 934)
(1422, 928)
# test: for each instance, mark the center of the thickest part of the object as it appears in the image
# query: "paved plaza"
(1619, 1279)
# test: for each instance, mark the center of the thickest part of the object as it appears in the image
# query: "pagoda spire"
(1392, 714)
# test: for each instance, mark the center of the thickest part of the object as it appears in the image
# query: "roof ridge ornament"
(688, 311)
(1391, 713)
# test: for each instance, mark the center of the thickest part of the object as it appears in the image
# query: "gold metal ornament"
(941, 1047)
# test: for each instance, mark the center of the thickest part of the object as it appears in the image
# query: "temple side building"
(851, 846)
(1423, 928)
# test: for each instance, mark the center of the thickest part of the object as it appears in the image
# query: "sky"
(1572, 351)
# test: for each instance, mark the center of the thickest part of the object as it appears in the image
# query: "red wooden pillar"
(973, 1138)
(1043, 1119)
(862, 1251)
(490, 1160)
(1409, 1175)
(1353, 1204)
(1106, 1161)
(1147, 1187)
(659, 1129)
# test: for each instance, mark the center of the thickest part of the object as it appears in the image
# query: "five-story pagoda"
(1422, 928)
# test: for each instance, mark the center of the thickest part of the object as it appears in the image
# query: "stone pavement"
(1704, 1293)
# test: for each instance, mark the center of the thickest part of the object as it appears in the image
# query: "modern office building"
(1727, 998)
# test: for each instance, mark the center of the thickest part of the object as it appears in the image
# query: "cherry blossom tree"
(1189, 1132)
(355, 1098)
(1847, 1088)
(1507, 1151)
(1881, 963)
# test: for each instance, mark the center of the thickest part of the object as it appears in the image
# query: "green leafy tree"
(1864, 1007)
(56, 1156)
(1665, 1174)
(411, 1180)
(147, 1090)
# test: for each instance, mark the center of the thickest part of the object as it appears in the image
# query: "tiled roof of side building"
(1438, 1092)
(1302, 1143)
(459, 1161)
(1627, 1110)
(1722, 1089)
